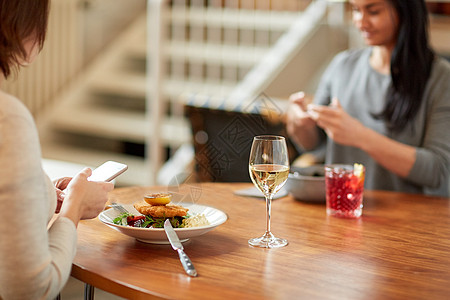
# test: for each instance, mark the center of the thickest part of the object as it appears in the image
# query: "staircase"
(209, 49)
(102, 116)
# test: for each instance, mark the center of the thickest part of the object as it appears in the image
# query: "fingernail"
(311, 112)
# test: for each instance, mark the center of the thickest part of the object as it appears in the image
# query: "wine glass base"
(268, 241)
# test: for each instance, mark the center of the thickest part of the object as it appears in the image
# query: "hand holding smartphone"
(107, 171)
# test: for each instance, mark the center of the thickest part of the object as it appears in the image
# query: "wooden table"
(398, 249)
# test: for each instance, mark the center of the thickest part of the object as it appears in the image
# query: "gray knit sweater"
(361, 91)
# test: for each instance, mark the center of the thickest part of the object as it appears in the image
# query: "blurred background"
(169, 87)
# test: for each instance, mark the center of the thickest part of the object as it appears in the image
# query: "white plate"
(157, 235)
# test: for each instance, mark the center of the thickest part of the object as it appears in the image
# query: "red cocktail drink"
(344, 190)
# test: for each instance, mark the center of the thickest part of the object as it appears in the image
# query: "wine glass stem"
(268, 211)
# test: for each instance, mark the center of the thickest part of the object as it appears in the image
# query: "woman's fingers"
(86, 172)
(61, 183)
(59, 200)
(321, 113)
(297, 96)
(299, 99)
(335, 103)
(337, 124)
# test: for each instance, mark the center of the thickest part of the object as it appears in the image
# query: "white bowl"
(157, 235)
(307, 184)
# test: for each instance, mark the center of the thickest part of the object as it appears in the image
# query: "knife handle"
(187, 263)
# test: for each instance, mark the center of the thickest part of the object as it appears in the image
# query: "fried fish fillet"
(160, 211)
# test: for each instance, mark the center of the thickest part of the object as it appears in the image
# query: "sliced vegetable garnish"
(358, 170)
(127, 219)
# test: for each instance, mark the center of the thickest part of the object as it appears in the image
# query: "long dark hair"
(19, 20)
(411, 64)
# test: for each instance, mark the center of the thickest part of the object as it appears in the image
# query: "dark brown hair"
(411, 64)
(20, 20)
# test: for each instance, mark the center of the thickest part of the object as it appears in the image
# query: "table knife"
(176, 245)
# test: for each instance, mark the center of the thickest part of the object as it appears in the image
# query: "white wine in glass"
(269, 170)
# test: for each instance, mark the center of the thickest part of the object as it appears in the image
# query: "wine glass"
(269, 170)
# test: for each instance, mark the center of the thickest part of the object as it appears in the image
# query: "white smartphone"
(107, 171)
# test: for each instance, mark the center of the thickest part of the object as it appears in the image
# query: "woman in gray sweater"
(386, 106)
(36, 255)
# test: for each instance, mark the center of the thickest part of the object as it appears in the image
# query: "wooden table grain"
(398, 249)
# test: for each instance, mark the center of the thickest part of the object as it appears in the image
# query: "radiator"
(61, 58)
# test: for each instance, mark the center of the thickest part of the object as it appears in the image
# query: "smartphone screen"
(108, 171)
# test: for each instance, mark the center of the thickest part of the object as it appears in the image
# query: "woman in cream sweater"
(35, 260)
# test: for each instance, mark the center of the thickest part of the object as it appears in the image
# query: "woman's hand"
(60, 185)
(299, 124)
(297, 116)
(345, 130)
(338, 125)
(85, 199)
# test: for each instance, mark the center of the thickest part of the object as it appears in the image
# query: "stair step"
(118, 124)
(134, 85)
(237, 56)
(216, 54)
(233, 18)
(119, 83)
(174, 88)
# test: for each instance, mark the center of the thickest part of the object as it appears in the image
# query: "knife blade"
(176, 245)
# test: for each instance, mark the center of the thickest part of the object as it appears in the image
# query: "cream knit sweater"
(35, 260)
